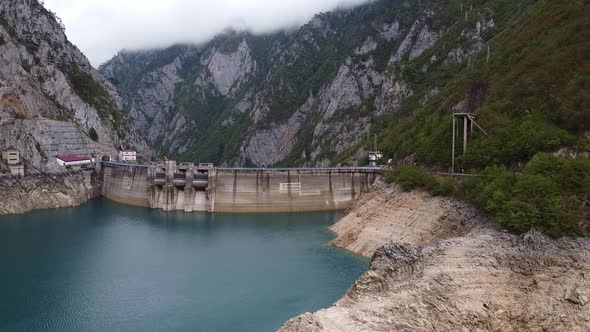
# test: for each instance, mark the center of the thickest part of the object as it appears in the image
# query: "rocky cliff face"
(438, 265)
(51, 99)
(36, 192)
(307, 97)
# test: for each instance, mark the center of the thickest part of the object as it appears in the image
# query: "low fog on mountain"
(100, 28)
(294, 165)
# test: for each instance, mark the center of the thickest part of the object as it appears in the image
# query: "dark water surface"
(108, 267)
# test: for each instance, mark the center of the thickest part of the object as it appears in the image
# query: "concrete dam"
(189, 188)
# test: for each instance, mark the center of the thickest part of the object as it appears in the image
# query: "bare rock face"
(229, 70)
(269, 146)
(469, 277)
(167, 99)
(475, 43)
(367, 47)
(47, 192)
(393, 92)
(406, 44)
(343, 92)
(150, 110)
(344, 120)
(51, 99)
(309, 96)
(425, 40)
(390, 31)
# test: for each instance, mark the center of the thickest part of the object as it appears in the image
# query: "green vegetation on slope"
(96, 96)
(551, 195)
(532, 97)
(533, 93)
(411, 177)
(316, 66)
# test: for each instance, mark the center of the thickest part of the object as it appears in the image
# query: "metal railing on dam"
(189, 188)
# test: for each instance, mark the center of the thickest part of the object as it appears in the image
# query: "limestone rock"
(257, 89)
(229, 70)
(50, 96)
(47, 192)
(438, 265)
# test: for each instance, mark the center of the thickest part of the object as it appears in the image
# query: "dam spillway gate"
(189, 188)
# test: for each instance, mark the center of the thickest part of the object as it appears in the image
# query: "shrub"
(411, 177)
(40, 150)
(518, 142)
(573, 175)
(538, 203)
(490, 189)
(551, 196)
(443, 186)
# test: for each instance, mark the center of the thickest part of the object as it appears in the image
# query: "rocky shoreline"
(438, 265)
(35, 192)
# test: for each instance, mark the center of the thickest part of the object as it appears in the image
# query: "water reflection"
(104, 266)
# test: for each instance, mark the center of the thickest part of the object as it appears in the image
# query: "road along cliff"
(438, 265)
(34, 192)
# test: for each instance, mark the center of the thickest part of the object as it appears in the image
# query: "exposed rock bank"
(37, 192)
(443, 267)
(389, 214)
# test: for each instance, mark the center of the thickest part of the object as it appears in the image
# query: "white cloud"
(100, 28)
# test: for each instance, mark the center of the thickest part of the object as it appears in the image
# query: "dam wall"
(189, 188)
(268, 190)
(126, 185)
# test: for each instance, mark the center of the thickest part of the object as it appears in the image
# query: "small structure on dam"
(187, 187)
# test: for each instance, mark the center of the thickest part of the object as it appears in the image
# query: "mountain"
(52, 101)
(285, 98)
(395, 69)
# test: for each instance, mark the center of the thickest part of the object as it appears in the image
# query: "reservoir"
(110, 267)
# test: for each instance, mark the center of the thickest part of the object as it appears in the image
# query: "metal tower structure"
(464, 121)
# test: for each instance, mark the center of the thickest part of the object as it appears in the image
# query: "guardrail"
(276, 169)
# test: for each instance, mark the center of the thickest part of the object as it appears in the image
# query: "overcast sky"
(100, 28)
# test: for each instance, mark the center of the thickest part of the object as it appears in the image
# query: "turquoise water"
(108, 267)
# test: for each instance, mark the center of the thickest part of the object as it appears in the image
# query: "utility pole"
(375, 142)
(465, 119)
(453, 157)
(468, 124)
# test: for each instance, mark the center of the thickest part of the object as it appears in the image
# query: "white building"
(74, 161)
(374, 157)
(127, 155)
(12, 157)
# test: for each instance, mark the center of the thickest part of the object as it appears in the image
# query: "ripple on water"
(104, 267)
